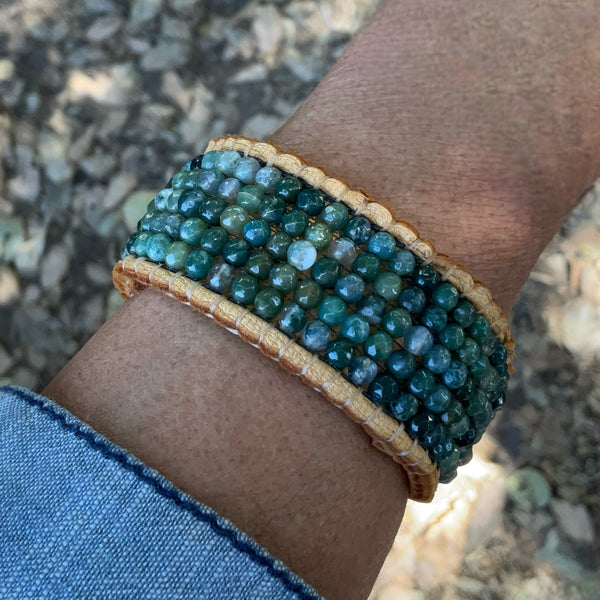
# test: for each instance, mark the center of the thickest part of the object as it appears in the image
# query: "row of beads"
(340, 287)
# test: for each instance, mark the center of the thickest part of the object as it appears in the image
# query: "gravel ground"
(95, 92)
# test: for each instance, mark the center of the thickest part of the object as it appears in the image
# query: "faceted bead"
(350, 287)
(499, 356)
(160, 200)
(190, 202)
(397, 322)
(443, 452)
(477, 402)
(246, 169)
(404, 406)
(311, 201)
(469, 352)
(388, 285)
(445, 296)
(339, 353)
(335, 216)
(454, 412)
(272, 209)
(316, 335)
(259, 264)
(294, 222)
(465, 439)
(236, 252)
(382, 244)
(456, 375)
(490, 380)
(402, 262)
(256, 232)
(213, 240)
(464, 313)
(459, 428)
(233, 219)
(480, 329)
(229, 189)
(211, 159)
(418, 340)
(332, 310)
(185, 180)
(412, 299)
(308, 294)
(452, 336)
(439, 400)
(292, 319)
(156, 247)
(129, 246)
(220, 277)
(343, 250)
(283, 277)
(278, 245)
(158, 222)
(362, 370)
(318, 235)
(267, 178)
(383, 389)
(244, 288)
(326, 272)
(288, 189)
(250, 197)
(302, 255)
(209, 181)
(498, 403)
(448, 463)
(358, 230)
(173, 224)
(466, 454)
(421, 384)
(198, 264)
(268, 303)
(438, 359)
(463, 393)
(227, 162)
(426, 277)
(367, 265)
(191, 231)
(211, 209)
(379, 346)
(371, 308)
(195, 163)
(482, 419)
(175, 255)
(434, 317)
(401, 363)
(488, 345)
(355, 328)
(424, 426)
(480, 367)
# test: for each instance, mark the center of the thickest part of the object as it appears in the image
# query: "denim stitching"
(170, 494)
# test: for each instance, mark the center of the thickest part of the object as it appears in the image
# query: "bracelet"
(327, 282)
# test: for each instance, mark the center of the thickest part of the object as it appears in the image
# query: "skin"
(475, 121)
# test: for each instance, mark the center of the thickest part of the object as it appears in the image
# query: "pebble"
(528, 489)
(54, 266)
(9, 285)
(135, 206)
(167, 54)
(119, 187)
(574, 520)
(103, 28)
(143, 11)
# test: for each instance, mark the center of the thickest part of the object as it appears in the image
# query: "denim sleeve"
(82, 518)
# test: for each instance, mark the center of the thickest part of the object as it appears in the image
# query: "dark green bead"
(448, 462)
(402, 262)
(488, 345)
(421, 384)
(490, 380)
(452, 336)
(173, 201)
(190, 202)
(246, 169)
(278, 244)
(244, 288)
(129, 246)
(257, 232)
(221, 276)
(439, 400)
(436, 436)
(339, 354)
(272, 209)
(464, 313)
(191, 231)
(335, 216)
(467, 438)
(144, 224)
(250, 197)
(157, 247)
(259, 264)
(477, 402)
(502, 370)
(294, 222)
(308, 293)
(288, 189)
(318, 235)
(184, 180)
(358, 230)
(388, 285)
(355, 328)
(267, 178)
(456, 375)
(229, 189)
(326, 272)
(499, 356)
(209, 181)
(459, 428)
(445, 296)
(283, 277)
(362, 370)
(213, 240)
(197, 264)
(466, 454)
(480, 329)
(412, 299)
(211, 209)
(454, 412)
(227, 161)
(292, 319)
(482, 419)
(371, 308)
(418, 340)
(397, 322)
(151, 206)
(404, 406)
(332, 310)
(160, 200)
(464, 392)
(268, 303)
(378, 346)
(479, 367)
(367, 265)
(311, 201)
(233, 219)
(382, 244)
(401, 364)
(173, 224)
(316, 335)
(469, 352)
(158, 222)
(175, 255)
(141, 243)
(426, 277)
(236, 252)
(350, 287)
(434, 317)
(423, 426)
(383, 389)
(438, 359)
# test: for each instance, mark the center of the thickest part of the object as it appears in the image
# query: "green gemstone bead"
(382, 244)
(480, 329)
(332, 310)
(213, 240)
(197, 264)
(459, 428)
(211, 159)
(283, 277)
(184, 180)
(246, 169)
(379, 346)
(221, 276)
(335, 216)
(397, 322)
(141, 243)
(480, 367)
(469, 352)
(464, 313)
(316, 335)
(422, 384)
(208, 181)
(191, 231)
(227, 162)
(339, 354)
(244, 288)
(292, 319)
(259, 264)
(268, 303)
(350, 287)
(434, 317)
(319, 235)
(490, 381)
(256, 232)
(272, 209)
(452, 336)
(144, 224)
(294, 222)
(367, 265)
(176, 254)
(358, 229)
(477, 402)
(250, 198)
(190, 202)
(288, 189)
(278, 244)
(267, 178)
(402, 263)
(426, 277)
(157, 247)
(158, 222)
(413, 299)
(388, 285)
(355, 328)
(173, 224)
(311, 201)
(236, 252)
(211, 209)
(439, 400)
(326, 271)
(308, 294)
(401, 364)
(499, 355)
(383, 389)
(160, 200)
(445, 296)
(454, 412)
(233, 219)
(404, 406)
(229, 189)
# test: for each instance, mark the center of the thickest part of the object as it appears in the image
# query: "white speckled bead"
(302, 255)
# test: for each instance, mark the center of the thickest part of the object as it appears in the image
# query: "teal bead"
(294, 222)
(456, 375)
(464, 313)
(379, 346)
(221, 276)
(145, 223)
(157, 247)
(362, 370)
(141, 243)
(292, 319)
(459, 428)
(343, 250)
(288, 189)
(335, 216)
(173, 200)
(308, 294)
(256, 232)
(418, 340)
(382, 245)
(355, 328)
(488, 345)
(268, 178)
(412, 299)
(227, 162)
(453, 413)
(469, 352)
(426, 277)
(268, 303)
(479, 367)
(175, 255)
(434, 318)
(326, 271)
(332, 310)
(213, 240)
(191, 231)
(278, 244)
(477, 402)
(358, 230)
(397, 322)
(272, 209)
(283, 277)
(229, 190)
(421, 384)
(402, 263)
(445, 296)
(160, 200)
(244, 288)
(250, 198)
(236, 252)
(499, 356)
(246, 170)
(151, 207)
(211, 159)
(316, 335)
(259, 264)
(438, 359)
(301, 254)
(185, 180)
(319, 235)
(209, 181)
(367, 265)
(189, 203)
(339, 353)
(197, 264)
(211, 209)
(233, 219)
(452, 336)
(350, 287)
(439, 399)
(372, 308)
(404, 406)
(311, 201)
(129, 245)
(173, 224)
(401, 364)
(388, 285)
(383, 389)
(480, 329)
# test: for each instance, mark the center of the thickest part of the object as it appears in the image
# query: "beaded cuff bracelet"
(324, 280)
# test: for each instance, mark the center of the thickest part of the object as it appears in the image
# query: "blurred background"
(102, 100)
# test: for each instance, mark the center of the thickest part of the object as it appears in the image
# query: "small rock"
(9, 285)
(252, 72)
(80, 147)
(268, 30)
(120, 185)
(143, 11)
(103, 28)
(99, 165)
(528, 489)
(7, 69)
(261, 125)
(172, 86)
(575, 521)
(26, 185)
(54, 266)
(27, 252)
(135, 207)
(167, 54)
(52, 152)
(98, 274)
(6, 360)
